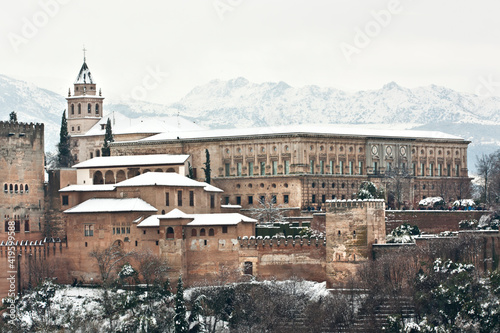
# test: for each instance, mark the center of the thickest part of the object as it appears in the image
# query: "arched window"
(79, 109)
(170, 232)
(11, 188)
(97, 109)
(89, 108)
(5, 188)
(6, 225)
(211, 232)
(109, 177)
(16, 188)
(120, 176)
(21, 188)
(26, 188)
(193, 233)
(202, 232)
(97, 153)
(72, 108)
(26, 226)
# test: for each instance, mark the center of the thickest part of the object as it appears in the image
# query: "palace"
(152, 193)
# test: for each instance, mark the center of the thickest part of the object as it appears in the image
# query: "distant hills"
(240, 103)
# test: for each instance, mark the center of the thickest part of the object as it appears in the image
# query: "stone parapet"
(290, 241)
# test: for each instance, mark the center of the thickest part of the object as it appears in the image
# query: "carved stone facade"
(304, 169)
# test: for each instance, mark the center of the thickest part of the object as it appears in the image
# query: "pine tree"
(207, 167)
(13, 117)
(64, 157)
(180, 323)
(108, 138)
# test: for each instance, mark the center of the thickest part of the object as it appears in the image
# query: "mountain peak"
(391, 85)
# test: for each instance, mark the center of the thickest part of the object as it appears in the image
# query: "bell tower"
(85, 105)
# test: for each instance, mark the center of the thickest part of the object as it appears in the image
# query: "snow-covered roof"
(133, 160)
(112, 206)
(430, 201)
(231, 206)
(121, 124)
(211, 188)
(166, 179)
(334, 130)
(84, 75)
(197, 219)
(88, 188)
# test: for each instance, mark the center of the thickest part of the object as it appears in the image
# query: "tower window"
(79, 109)
(89, 108)
(97, 109)
(72, 108)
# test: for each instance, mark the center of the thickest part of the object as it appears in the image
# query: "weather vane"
(84, 49)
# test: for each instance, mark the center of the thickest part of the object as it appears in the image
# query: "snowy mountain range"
(240, 103)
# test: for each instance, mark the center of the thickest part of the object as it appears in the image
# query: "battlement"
(8, 128)
(332, 205)
(38, 247)
(280, 241)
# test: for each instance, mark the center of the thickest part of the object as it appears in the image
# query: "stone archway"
(109, 177)
(98, 178)
(120, 176)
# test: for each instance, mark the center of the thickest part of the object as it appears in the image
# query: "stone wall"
(430, 221)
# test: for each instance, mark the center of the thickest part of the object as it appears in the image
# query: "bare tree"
(398, 181)
(152, 267)
(268, 211)
(108, 260)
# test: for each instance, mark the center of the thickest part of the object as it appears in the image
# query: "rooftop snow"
(336, 130)
(84, 75)
(122, 124)
(165, 179)
(133, 160)
(112, 206)
(197, 219)
(87, 188)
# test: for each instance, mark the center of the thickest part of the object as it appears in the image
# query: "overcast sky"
(159, 50)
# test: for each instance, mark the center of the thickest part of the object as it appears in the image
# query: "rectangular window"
(250, 200)
(414, 169)
(262, 199)
(91, 155)
(331, 167)
(274, 199)
(262, 168)
(285, 198)
(341, 167)
(422, 169)
(212, 201)
(360, 168)
(275, 168)
(167, 199)
(351, 171)
(322, 167)
(238, 169)
(226, 200)
(26, 226)
(440, 170)
(311, 166)
(179, 198)
(457, 170)
(227, 169)
(448, 170)
(431, 169)
(287, 167)
(65, 200)
(89, 230)
(191, 198)
(313, 199)
(375, 168)
(238, 200)
(250, 168)
(224, 229)
(323, 198)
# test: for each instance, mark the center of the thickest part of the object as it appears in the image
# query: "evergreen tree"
(64, 157)
(190, 171)
(108, 138)
(180, 323)
(13, 117)
(207, 167)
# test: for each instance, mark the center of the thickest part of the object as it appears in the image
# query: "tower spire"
(84, 50)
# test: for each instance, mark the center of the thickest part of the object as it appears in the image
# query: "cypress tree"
(64, 158)
(108, 138)
(207, 167)
(180, 322)
(13, 117)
